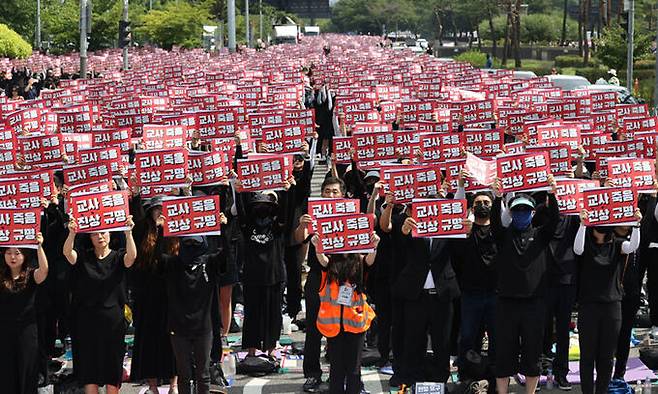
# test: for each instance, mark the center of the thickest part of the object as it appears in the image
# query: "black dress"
(152, 354)
(19, 354)
(99, 325)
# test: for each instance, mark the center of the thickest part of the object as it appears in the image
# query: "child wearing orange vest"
(344, 316)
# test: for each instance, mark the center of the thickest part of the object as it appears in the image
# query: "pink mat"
(635, 370)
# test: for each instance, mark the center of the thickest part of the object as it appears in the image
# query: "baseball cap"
(522, 200)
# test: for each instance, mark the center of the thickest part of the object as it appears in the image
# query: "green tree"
(12, 45)
(612, 46)
(20, 16)
(180, 24)
(60, 25)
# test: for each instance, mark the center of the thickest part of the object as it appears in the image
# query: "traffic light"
(124, 34)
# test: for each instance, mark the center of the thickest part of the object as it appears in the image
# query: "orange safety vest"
(356, 318)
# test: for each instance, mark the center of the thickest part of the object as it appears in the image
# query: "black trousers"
(598, 326)
(313, 338)
(559, 303)
(519, 330)
(430, 314)
(648, 259)
(193, 349)
(345, 357)
(629, 307)
(19, 359)
(262, 316)
(294, 280)
(397, 333)
(384, 310)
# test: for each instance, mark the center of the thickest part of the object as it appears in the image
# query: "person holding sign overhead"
(603, 258)
(19, 353)
(344, 315)
(99, 297)
(521, 262)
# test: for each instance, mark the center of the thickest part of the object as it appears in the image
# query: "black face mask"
(262, 211)
(482, 211)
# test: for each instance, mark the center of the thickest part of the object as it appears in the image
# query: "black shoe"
(395, 381)
(563, 383)
(312, 385)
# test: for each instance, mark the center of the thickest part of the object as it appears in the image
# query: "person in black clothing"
(19, 353)
(649, 255)
(263, 229)
(477, 277)
(428, 286)
(331, 188)
(561, 294)
(603, 256)
(191, 279)
(392, 216)
(99, 327)
(153, 357)
(630, 304)
(521, 263)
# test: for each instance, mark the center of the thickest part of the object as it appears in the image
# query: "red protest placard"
(19, 227)
(216, 124)
(346, 234)
(636, 174)
(559, 134)
(98, 212)
(283, 139)
(482, 171)
(41, 150)
(119, 138)
(187, 216)
(439, 218)
(111, 155)
(163, 136)
(523, 172)
(20, 193)
(416, 182)
(207, 168)
(161, 167)
(559, 156)
(484, 143)
(264, 172)
(453, 168)
(609, 206)
(569, 194)
(87, 173)
(323, 207)
(374, 146)
(438, 147)
(92, 187)
(407, 143)
(342, 149)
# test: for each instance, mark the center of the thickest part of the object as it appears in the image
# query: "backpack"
(619, 386)
(257, 366)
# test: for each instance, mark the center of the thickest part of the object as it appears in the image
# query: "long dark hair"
(7, 283)
(147, 255)
(346, 268)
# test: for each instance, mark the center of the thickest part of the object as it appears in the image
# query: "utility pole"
(260, 19)
(83, 39)
(150, 5)
(246, 21)
(125, 49)
(629, 39)
(230, 6)
(37, 34)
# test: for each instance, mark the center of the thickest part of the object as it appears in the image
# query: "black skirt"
(98, 345)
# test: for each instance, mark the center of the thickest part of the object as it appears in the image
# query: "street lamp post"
(83, 39)
(246, 21)
(125, 48)
(37, 34)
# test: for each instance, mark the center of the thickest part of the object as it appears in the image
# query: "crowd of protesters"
(515, 279)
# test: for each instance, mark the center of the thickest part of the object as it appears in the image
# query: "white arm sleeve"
(628, 247)
(460, 194)
(505, 216)
(579, 242)
(312, 152)
(655, 212)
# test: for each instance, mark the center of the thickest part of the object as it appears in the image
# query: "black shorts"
(519, 331)
(230, 277)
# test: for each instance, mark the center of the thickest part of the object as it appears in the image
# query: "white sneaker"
(173, 390)
(654, 332)
(150, 391)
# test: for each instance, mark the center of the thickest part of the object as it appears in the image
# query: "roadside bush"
(645, 64)
(476, 58)
(592, 73)
(12, 45)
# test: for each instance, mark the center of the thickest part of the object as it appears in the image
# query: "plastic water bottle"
(68, 349)
(549, 379)
(229, 367)
(638, 387)
(646, 389)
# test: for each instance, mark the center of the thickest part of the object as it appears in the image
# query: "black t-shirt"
(474, 263)
(189, 292)
(562, 263)
(600, 271)
(100, 283)
(17, 308)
